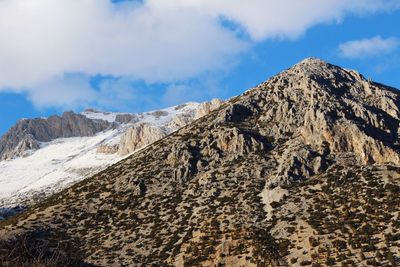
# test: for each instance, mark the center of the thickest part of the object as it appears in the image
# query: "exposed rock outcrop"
(25, 146)
(206, 107)
(126, 118)
(235, 142)
(108, 148)
(138, 136)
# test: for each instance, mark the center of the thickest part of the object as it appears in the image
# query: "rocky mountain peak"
(316, 74)
(311, 63)
(322, 110)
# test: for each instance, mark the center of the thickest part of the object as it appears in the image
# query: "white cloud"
(66, 92)
(285, 18)
(178, 93)
(44, 38)
(42, 41)
(368, 47)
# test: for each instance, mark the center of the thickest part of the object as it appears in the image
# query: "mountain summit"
(300, 170)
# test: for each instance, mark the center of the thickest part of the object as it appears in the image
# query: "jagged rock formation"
(126, 118)
(108, 148)
(300, 170)
(27, 134)
(138, 136)
(206, 107)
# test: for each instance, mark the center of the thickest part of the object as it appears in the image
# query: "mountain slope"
(69, 148)
(248, 184)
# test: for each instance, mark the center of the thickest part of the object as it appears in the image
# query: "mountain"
(45, 155)
(27, 134)
(301, 170)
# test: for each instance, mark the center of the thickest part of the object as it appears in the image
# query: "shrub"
(35, 249)
(305, 263)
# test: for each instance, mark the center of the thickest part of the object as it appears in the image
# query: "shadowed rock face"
(217, 191)
(27, 133)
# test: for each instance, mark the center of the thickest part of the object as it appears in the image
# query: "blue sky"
(140, 55)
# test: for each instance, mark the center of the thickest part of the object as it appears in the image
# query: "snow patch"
(53, 167)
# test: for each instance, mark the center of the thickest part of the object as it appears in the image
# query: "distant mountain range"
(42, 156)
(302, 170)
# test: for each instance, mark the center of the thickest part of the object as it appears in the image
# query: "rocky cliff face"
(206, 107)
(138, 136)
(300, 170)
(27, 134)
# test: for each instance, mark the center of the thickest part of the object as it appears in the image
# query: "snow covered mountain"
(44, 156)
